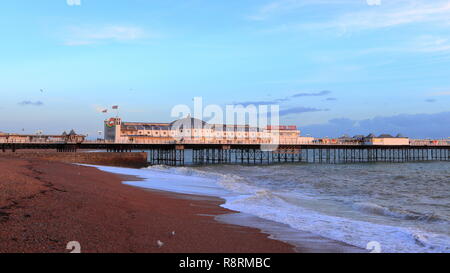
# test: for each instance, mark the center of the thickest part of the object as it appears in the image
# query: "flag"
(115, 107)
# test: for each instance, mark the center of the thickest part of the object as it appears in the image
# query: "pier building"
(192, 130)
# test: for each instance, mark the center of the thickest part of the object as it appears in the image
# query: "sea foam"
(356, 224)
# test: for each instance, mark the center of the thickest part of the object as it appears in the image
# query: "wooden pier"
(252, 154)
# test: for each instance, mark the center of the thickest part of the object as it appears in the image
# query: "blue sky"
(370, 63)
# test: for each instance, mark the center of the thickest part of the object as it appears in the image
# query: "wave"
(295, 208)
(374, 209)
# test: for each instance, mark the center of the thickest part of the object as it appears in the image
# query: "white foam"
(160, 179)
(353, 232)
(292, 208)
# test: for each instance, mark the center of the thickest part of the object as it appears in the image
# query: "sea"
(397, 207)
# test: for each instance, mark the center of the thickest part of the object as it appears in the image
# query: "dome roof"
(188, 123)
(385, 136)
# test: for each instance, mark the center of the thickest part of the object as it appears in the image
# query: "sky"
(334, 66)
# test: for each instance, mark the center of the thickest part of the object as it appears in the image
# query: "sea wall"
(133, 160)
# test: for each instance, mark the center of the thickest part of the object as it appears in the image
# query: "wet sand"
(44, 205)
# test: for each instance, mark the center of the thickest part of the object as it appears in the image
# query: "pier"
(176, 154)
(325, 154)
(190, 141)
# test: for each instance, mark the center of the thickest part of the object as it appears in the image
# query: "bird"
(172, 233)
(160, 244)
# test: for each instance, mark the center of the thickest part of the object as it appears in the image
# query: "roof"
(236, 128)
(146, 127)
(385, 136)
(144, 124)
(189, 123)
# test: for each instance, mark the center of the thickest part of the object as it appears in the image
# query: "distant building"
(72, 137)
(386, 139)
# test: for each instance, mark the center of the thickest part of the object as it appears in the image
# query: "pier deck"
(181, 154)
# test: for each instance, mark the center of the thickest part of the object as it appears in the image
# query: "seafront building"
(71, 137)
(192, 130)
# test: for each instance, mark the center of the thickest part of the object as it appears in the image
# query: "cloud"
(79, 36)
(281, 7)
(421, 44)
(289, 98)
(388, 14)
(442, 93)
(73, 2)
(286, 99)
(31, 103)
(262, 102)
(316, 94)
(373, 2)
(300, 110)
(431, 44)
(411, 125)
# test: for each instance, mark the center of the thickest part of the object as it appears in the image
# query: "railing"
(31, 142)
(427, 142)
(413, 142)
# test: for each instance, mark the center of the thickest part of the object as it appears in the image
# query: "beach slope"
(44, 205)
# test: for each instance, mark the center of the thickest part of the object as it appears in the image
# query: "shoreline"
(301, 241)
(46, 204)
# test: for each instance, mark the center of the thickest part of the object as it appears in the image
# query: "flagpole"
(116, 107)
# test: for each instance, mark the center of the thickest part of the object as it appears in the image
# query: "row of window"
(196, 133)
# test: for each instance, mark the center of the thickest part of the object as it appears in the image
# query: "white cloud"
(78, 36)
(395, 14)
(442, 93)
(355, 17)
(373, 2)
(421, 44)
(283, 6)
(73, 2)
(433, 44)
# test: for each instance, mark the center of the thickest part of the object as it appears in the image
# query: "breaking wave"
(328, 203)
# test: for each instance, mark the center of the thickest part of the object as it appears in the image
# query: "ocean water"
(403, 207)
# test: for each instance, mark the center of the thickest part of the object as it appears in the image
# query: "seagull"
(159, 243)
(173, 233)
